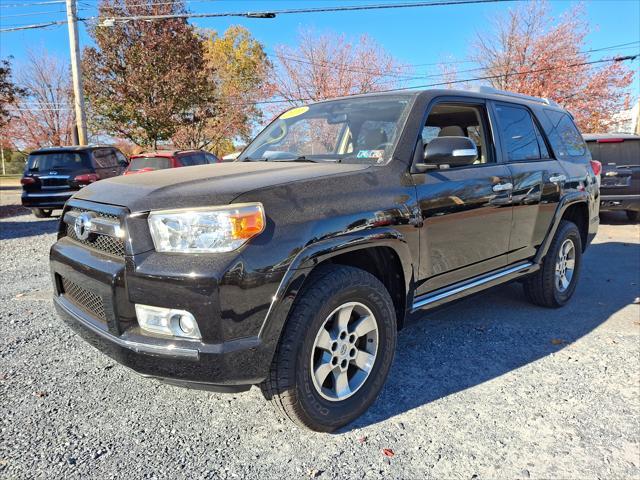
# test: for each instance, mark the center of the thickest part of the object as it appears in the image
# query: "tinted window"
(563, 135)
(519, 133)
(120, 157)
(211, 158)
(45, 162)
(621, 153)
(104, 158)
(150, 163)
(193, 159)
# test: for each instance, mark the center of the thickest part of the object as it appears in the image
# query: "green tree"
(237, 71)
(142, 77)
(10, 93)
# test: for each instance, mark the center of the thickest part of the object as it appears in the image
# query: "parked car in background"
(620, 178)
(163, 159)
(52, 175)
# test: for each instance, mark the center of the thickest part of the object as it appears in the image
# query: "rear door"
(620, 158)
(53, 170)
(537, 178)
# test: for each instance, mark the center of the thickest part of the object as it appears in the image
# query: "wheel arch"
(382, 252)
(573, 207)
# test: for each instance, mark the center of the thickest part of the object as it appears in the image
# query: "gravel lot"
(491, 387)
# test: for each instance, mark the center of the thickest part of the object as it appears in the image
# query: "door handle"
(503, 187)
(557, 178)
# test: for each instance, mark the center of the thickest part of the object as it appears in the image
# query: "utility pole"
(74, 50)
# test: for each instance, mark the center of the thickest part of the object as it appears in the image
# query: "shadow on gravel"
(615, 218)
(10, 230)
(13, 210)
(479, 339)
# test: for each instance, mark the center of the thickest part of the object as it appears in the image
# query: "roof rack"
(495, 91)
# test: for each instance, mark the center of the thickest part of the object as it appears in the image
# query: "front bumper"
(619, 202)
(228, 307)
(46, 199)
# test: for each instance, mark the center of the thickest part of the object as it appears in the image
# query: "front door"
(466, 210)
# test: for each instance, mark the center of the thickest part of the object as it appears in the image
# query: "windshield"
(45, 162)
(353, 130)
(149, 163)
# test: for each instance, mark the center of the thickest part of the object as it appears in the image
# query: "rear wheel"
(554, 284)
(336, 349)
(633, 215)
(42, 212)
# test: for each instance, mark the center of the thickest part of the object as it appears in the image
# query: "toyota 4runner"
(294, 267)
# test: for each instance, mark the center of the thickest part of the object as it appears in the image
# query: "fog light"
(167, 321)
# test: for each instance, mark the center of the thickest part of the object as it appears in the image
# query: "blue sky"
(413, 36)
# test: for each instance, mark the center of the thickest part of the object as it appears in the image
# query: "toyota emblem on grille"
(82, 225)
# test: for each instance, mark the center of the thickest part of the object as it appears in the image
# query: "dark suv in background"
(52, 175)
(294, 267)
(620, 158)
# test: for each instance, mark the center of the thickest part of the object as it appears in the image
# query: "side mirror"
(444, 152)
(453, 151)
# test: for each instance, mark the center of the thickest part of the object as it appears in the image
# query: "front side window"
(352, 130)
(458, 120)
(563, 135)
(520, 136)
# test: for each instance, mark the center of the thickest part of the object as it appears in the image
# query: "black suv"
(294, 267)
(620, 158)
(52, 175)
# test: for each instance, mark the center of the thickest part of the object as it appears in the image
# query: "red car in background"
(160, 160)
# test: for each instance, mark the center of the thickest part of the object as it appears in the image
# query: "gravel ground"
(491, 387)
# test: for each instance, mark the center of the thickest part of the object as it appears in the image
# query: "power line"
(429, 85)
(52, 2)
(273, 13)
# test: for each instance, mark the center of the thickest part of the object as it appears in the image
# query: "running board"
(469, 287)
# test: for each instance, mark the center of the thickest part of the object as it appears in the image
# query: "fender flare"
(566, 201)
(314, 254)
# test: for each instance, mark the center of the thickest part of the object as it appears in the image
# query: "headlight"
(206, 230)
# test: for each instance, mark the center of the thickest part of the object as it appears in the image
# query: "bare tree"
(330, 65)
(44, 116)
(536, 54)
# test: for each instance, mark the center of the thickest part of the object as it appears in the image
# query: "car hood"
(204, 185)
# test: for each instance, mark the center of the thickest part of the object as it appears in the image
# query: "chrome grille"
(104, 243)
(84, 299)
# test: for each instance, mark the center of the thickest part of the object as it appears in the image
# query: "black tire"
(541, 288)
(42, 212)
(633, 215)
(290, 386)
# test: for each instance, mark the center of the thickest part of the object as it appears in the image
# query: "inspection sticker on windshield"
(294, 112)
(378, 154)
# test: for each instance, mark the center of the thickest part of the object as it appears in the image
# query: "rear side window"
(520, 135)
(104, 158)
(150, 163)
(563, 135)
(626, 152)
(46, 162)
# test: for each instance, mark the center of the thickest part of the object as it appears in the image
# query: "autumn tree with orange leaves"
(536, 54)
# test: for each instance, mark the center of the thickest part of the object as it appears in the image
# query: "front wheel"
(554, 284)
(336, 349)
(42, 212)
